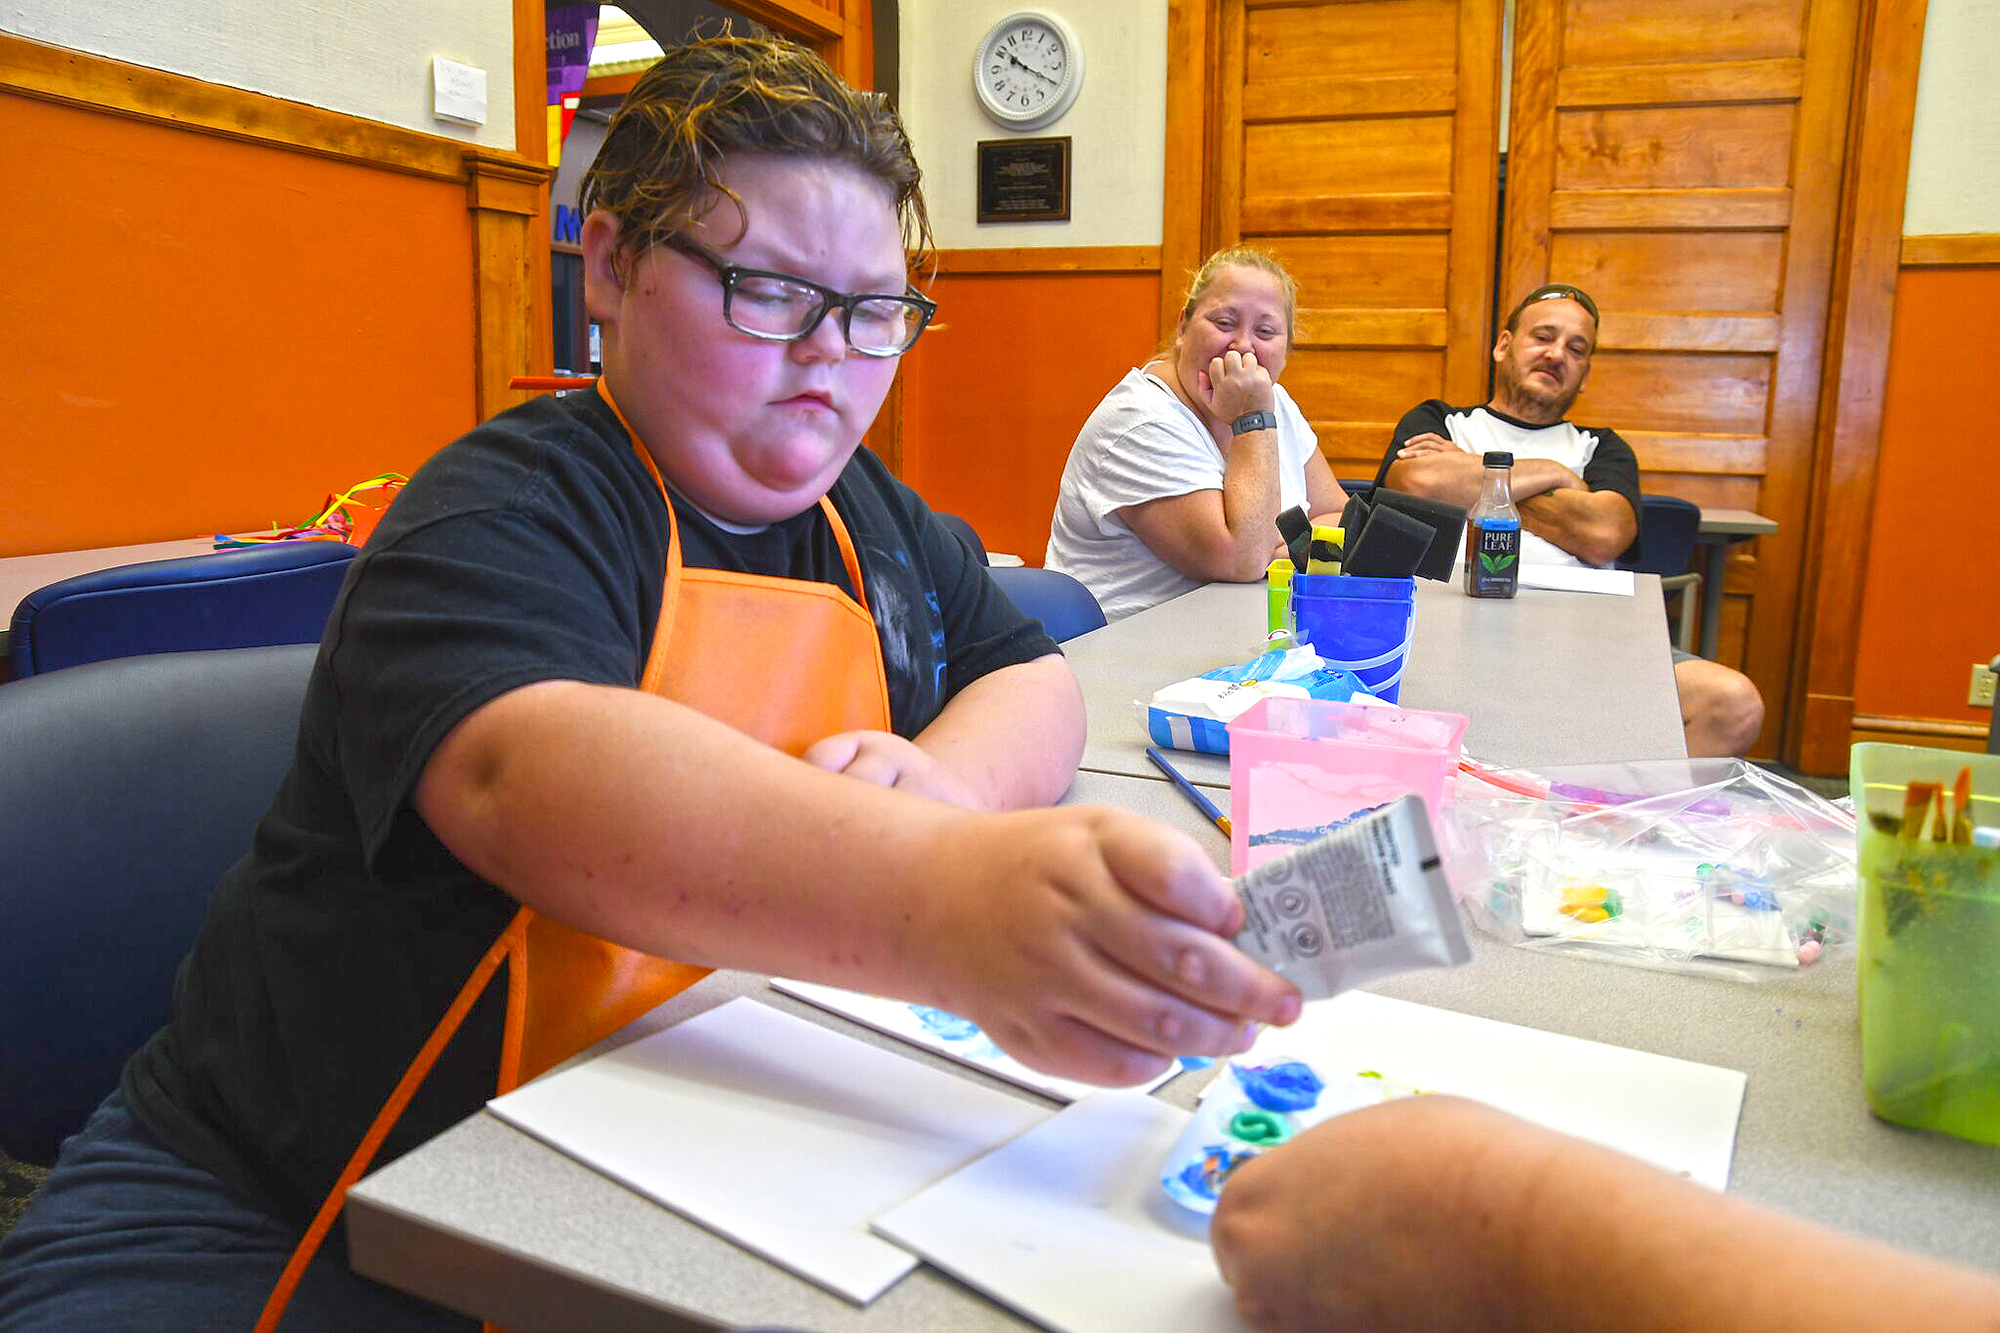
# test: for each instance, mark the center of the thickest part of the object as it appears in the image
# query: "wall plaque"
(1024, 180)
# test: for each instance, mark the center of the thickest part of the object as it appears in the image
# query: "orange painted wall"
(202, 334)
(992, 400)
(1931, 602)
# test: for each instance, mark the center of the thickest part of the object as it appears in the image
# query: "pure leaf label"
(1495, 564)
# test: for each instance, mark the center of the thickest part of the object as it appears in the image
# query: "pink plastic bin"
(1298, 765)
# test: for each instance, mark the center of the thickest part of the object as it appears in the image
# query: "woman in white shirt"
(1179, 475)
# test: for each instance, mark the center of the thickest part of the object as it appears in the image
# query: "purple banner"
(572, 31)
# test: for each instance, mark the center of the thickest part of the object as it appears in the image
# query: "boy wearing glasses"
(665, 670)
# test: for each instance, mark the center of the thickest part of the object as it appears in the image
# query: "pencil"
(1192, 792)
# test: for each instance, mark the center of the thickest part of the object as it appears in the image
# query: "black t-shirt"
(1612, 466)
(531, 549)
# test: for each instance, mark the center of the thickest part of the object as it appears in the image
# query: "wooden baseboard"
(1051, 259)
(1934, 732)
(1949, 250)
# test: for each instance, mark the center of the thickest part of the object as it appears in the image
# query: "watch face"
(1027, 71)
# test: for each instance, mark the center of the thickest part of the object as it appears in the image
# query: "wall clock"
(1027, 69)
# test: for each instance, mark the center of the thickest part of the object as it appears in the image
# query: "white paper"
(774, 1132)
(1578, 578)
(1676, 1114)
(1068, 1225)
(896, 1019)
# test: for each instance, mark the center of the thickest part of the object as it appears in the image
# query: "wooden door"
(1358, 141)
(1681, 162)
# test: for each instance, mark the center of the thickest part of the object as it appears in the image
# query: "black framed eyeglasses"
(783, 308)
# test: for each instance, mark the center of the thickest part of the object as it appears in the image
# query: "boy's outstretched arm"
(1088, 942)
(1009, 740)
(1440, 1213)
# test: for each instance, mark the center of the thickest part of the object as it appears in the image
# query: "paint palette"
(1252, 1108)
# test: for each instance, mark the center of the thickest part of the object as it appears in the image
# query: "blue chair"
(1668, 526)
(1356, 485)
(1063, 605)
(964, 532)
(279, 592)
(129, 787)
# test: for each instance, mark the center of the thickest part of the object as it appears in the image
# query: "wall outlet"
(1981, 694)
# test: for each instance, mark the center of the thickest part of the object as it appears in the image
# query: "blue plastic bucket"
(1358, 624)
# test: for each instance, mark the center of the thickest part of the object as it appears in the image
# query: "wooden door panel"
(1723, 272)
(1386, 155)
(1363, 384)
(1387, 272)
(1357, 140)
(1719, 395)
(1681, 162)
(1661, 148)
(1637, 32)
(1360, 39)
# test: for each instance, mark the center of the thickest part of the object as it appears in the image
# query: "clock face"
(1028, 70)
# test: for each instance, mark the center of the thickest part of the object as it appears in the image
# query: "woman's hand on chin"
(1234, 384)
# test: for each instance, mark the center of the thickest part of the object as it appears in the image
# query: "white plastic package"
(1702, 865)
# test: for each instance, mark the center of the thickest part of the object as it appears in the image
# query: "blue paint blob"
(949, 1026)
(1291, 1086)
(1196, 1061)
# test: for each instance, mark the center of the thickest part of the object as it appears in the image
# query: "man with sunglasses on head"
(1577, 487)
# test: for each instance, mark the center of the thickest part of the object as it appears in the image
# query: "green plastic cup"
(1929, 962)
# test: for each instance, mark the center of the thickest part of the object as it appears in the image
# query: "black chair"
(1064, 606)
(964, 533)
(1668, 526)
(274, 592)
(129, 787)
(1356, 485)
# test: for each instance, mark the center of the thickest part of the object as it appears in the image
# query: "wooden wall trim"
(1950, 728)
(1856, 372)
(1051, 259)
(506, 196)
(1948, 250)
(1190, 133)
(97, 83)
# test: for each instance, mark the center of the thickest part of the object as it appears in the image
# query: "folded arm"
(1593, 526)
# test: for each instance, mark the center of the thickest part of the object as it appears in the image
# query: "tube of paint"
(1367, 901)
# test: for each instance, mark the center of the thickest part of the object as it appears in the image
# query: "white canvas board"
(954, 1038)
(1676, 1114)
(774, 1132)
(1578, 578)
(1068, 1226)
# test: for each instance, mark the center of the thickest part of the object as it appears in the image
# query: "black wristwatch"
(1250, 421)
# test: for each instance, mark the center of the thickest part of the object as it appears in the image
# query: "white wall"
(1955, 146)
(369, 58)
(1116, 126)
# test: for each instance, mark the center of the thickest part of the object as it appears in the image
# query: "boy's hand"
(1093, 944)
(887, 760)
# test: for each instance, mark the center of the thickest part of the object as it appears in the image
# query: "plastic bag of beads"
(1703, 865)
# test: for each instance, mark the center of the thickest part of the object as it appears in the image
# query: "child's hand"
(1092, 943)
(887, 760)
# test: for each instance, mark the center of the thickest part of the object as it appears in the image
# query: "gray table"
(1721, 529)
(487, 1220)
(1506, 665)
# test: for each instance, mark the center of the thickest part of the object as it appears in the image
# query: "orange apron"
(567, 990)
